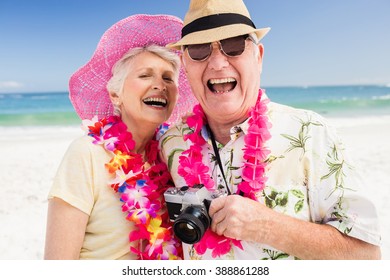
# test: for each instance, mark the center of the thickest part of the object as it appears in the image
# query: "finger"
(217, 218)
(216, 205)
(220, 228)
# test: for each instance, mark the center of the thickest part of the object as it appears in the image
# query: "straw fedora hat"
(87, 86)
(213, 20)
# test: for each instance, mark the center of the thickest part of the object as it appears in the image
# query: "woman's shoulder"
(82, 142)
(83, 145)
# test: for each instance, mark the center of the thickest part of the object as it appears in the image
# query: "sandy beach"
(29, 157)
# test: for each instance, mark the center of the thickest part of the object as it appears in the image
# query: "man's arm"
(244, 219)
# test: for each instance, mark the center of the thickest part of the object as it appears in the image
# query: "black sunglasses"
(230, 47)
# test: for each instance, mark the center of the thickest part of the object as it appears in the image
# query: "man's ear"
(261, 51)
(260, 56)
(183, 62)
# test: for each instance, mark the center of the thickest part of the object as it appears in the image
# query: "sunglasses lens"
(199, 52)
(233, 46)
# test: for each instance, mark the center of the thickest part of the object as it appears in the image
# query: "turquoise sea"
(54, 108)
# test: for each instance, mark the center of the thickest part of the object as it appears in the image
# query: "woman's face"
(150, 91)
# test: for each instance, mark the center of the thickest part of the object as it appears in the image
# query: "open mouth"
(156, 102)
(221, 85)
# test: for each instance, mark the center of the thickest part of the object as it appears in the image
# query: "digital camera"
(188, 210)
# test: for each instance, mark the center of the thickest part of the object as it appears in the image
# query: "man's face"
(226, 86)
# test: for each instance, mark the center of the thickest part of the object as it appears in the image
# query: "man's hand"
(241, 218)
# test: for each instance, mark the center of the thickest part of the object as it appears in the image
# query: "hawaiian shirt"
(310, 177)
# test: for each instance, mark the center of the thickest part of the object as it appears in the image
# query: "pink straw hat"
(87, 86)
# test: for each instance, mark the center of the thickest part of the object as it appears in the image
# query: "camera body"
(188, 210)
(177, 199)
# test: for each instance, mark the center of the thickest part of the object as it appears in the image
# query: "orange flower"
(119, 160)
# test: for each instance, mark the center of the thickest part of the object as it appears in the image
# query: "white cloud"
(10, 85)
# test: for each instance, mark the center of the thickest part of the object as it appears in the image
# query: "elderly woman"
(106, 200)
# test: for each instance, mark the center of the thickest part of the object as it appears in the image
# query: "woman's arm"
(65, 231)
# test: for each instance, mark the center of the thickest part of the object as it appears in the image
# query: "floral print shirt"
(309, 175)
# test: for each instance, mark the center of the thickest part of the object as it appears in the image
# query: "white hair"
(256, 42)
(120, 69)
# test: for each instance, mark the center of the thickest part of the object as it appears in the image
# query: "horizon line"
(263, 87)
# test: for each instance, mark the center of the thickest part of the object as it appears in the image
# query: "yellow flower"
(120, 159)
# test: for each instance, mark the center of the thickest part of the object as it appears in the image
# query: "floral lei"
(194, 171)
(140, 188)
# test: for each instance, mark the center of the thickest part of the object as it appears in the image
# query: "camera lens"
(191, 224)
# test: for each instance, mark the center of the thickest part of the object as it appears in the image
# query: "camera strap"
(216, 152)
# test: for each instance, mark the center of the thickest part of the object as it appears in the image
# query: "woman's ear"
(116, 103)
(115, 98)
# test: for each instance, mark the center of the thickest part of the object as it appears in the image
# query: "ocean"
(54, 108)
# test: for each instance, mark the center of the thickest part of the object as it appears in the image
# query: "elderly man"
(278, 179)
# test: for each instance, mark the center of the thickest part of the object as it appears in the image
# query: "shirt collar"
(237, 130)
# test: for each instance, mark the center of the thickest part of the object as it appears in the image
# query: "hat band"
(214, 21)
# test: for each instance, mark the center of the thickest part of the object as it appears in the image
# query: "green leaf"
(281, 256)
(281, 199)
(291, 138)
(166, 139)
(298, 193)
(298, 206)
(234, 168)
(269, 202)
(170, 157)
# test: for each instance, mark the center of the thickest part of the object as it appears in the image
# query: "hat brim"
(217, 34)
(87, 86)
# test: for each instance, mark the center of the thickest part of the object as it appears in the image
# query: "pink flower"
(169, 250)
(137, 188)
(192, 169)
(252, 171)
(126, 142)
(135, 197)
(220, 245)
(194, 152)
(253, 154)
(141, 233)
(256, 136)
(253, 186)
(194, 172)
(195, 138)
(195, 122)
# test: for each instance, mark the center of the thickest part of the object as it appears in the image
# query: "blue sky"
(332, 42)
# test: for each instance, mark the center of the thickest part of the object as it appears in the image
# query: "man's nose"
(217, 60)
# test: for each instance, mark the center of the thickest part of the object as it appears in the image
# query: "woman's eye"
(168, 79)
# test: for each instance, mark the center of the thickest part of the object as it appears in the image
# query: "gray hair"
(120, 69)
(255, 41)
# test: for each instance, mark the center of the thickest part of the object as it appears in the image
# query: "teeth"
(156, 102)
(221, 81)
(156, 99)
(222, 85)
